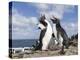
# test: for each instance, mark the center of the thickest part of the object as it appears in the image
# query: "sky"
(25, 17)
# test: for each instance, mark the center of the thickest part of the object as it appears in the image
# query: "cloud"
(42, 6)
(70, 27)
(22, 26)
(56, 10)
(19, 19)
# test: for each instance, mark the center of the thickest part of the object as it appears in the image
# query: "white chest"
(54, 30)
(47, 37)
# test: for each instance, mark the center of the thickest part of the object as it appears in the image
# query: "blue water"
(23, 43)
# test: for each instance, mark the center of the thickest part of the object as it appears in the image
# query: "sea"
(23, 43)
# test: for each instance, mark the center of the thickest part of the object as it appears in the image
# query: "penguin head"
(42, 23)
(55, 20)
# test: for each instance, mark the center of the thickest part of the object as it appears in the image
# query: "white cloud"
(19, 19)
(33, 20)
(42, 7)
(70, 27)
(56, 10)
(23, 26)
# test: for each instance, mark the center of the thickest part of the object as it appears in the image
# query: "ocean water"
(23, 43)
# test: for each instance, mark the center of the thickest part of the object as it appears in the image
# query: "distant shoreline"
(19, 47)
(23, 39)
